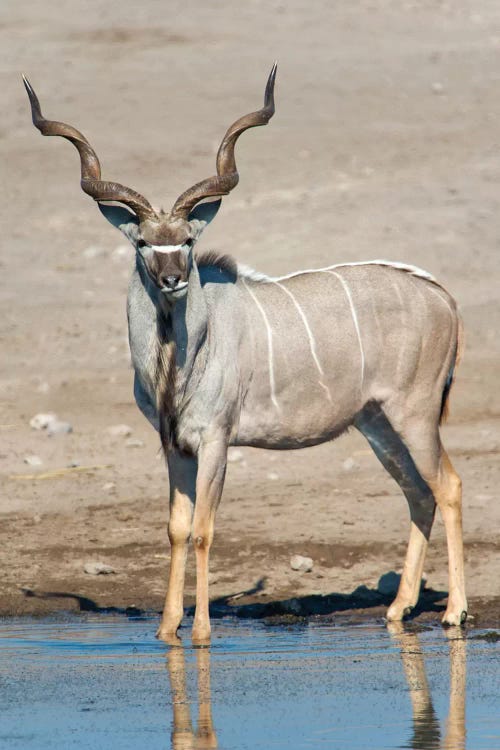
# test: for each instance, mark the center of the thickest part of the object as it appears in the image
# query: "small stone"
(59, 428)
(97, 569)
(437, 88)
(42, 421)
(349, 464)
(37, 518)
(73, 464)
(273, 475)
(134, 443)
(119, 430)
(43, 388)
(51, 423)
(33, 460)
(302, 564)
(92, 251)
(124, 517)
(120, 252)
(234, 456)
(108, 486)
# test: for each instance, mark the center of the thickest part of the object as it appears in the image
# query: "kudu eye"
(189, 242)
(141, 243)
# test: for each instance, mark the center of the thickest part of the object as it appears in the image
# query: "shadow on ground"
(83, 603)
(361, 599)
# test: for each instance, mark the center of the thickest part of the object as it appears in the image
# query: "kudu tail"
(459, 347)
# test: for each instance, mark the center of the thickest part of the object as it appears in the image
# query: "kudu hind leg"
(182, 476)
(397, 460)
(424, 443)
(447, 488)
(421, 437)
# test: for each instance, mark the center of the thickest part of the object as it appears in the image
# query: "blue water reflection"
(107, 683)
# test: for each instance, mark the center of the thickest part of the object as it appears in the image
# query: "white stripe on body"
(402, 353)
(398, 295)
(445, 301)
(355, 320)
(269, 345)
(312, 343)
(448, 307)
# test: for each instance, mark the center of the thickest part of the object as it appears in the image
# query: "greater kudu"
(225, 356)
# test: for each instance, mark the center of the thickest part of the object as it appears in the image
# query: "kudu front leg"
(212, 459)
(182, 476)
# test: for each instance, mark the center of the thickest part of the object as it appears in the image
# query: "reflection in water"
(102, 683)
(426, 735)
(183, 737)
(426, 729)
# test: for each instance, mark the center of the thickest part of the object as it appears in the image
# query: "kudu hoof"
(453, 619)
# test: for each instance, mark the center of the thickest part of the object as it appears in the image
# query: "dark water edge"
(106, 682)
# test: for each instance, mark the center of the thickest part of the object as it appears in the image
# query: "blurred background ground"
(385, 144)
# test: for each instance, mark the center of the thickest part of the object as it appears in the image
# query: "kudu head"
(163, 240)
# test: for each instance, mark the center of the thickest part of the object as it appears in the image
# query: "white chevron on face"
(166, 248)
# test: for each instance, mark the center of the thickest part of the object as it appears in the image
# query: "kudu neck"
(185, 321)
(189, 321)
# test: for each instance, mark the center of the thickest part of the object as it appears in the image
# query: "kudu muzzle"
(169, 269)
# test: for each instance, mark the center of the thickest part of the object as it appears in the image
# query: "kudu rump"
(226, 356)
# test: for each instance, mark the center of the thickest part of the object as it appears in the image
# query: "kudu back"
(226, 356)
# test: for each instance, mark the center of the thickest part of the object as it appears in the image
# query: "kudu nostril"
(170, 281)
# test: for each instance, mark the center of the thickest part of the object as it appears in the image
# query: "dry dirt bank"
(385, 144)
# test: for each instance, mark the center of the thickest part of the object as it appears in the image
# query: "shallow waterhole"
(106, 682)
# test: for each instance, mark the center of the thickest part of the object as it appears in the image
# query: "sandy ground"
(385, 144)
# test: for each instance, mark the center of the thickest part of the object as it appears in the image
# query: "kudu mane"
(224, 264)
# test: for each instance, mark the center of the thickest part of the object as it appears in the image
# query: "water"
(107, 683)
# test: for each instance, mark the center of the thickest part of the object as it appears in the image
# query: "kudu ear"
(202, 214)
(121, 218)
